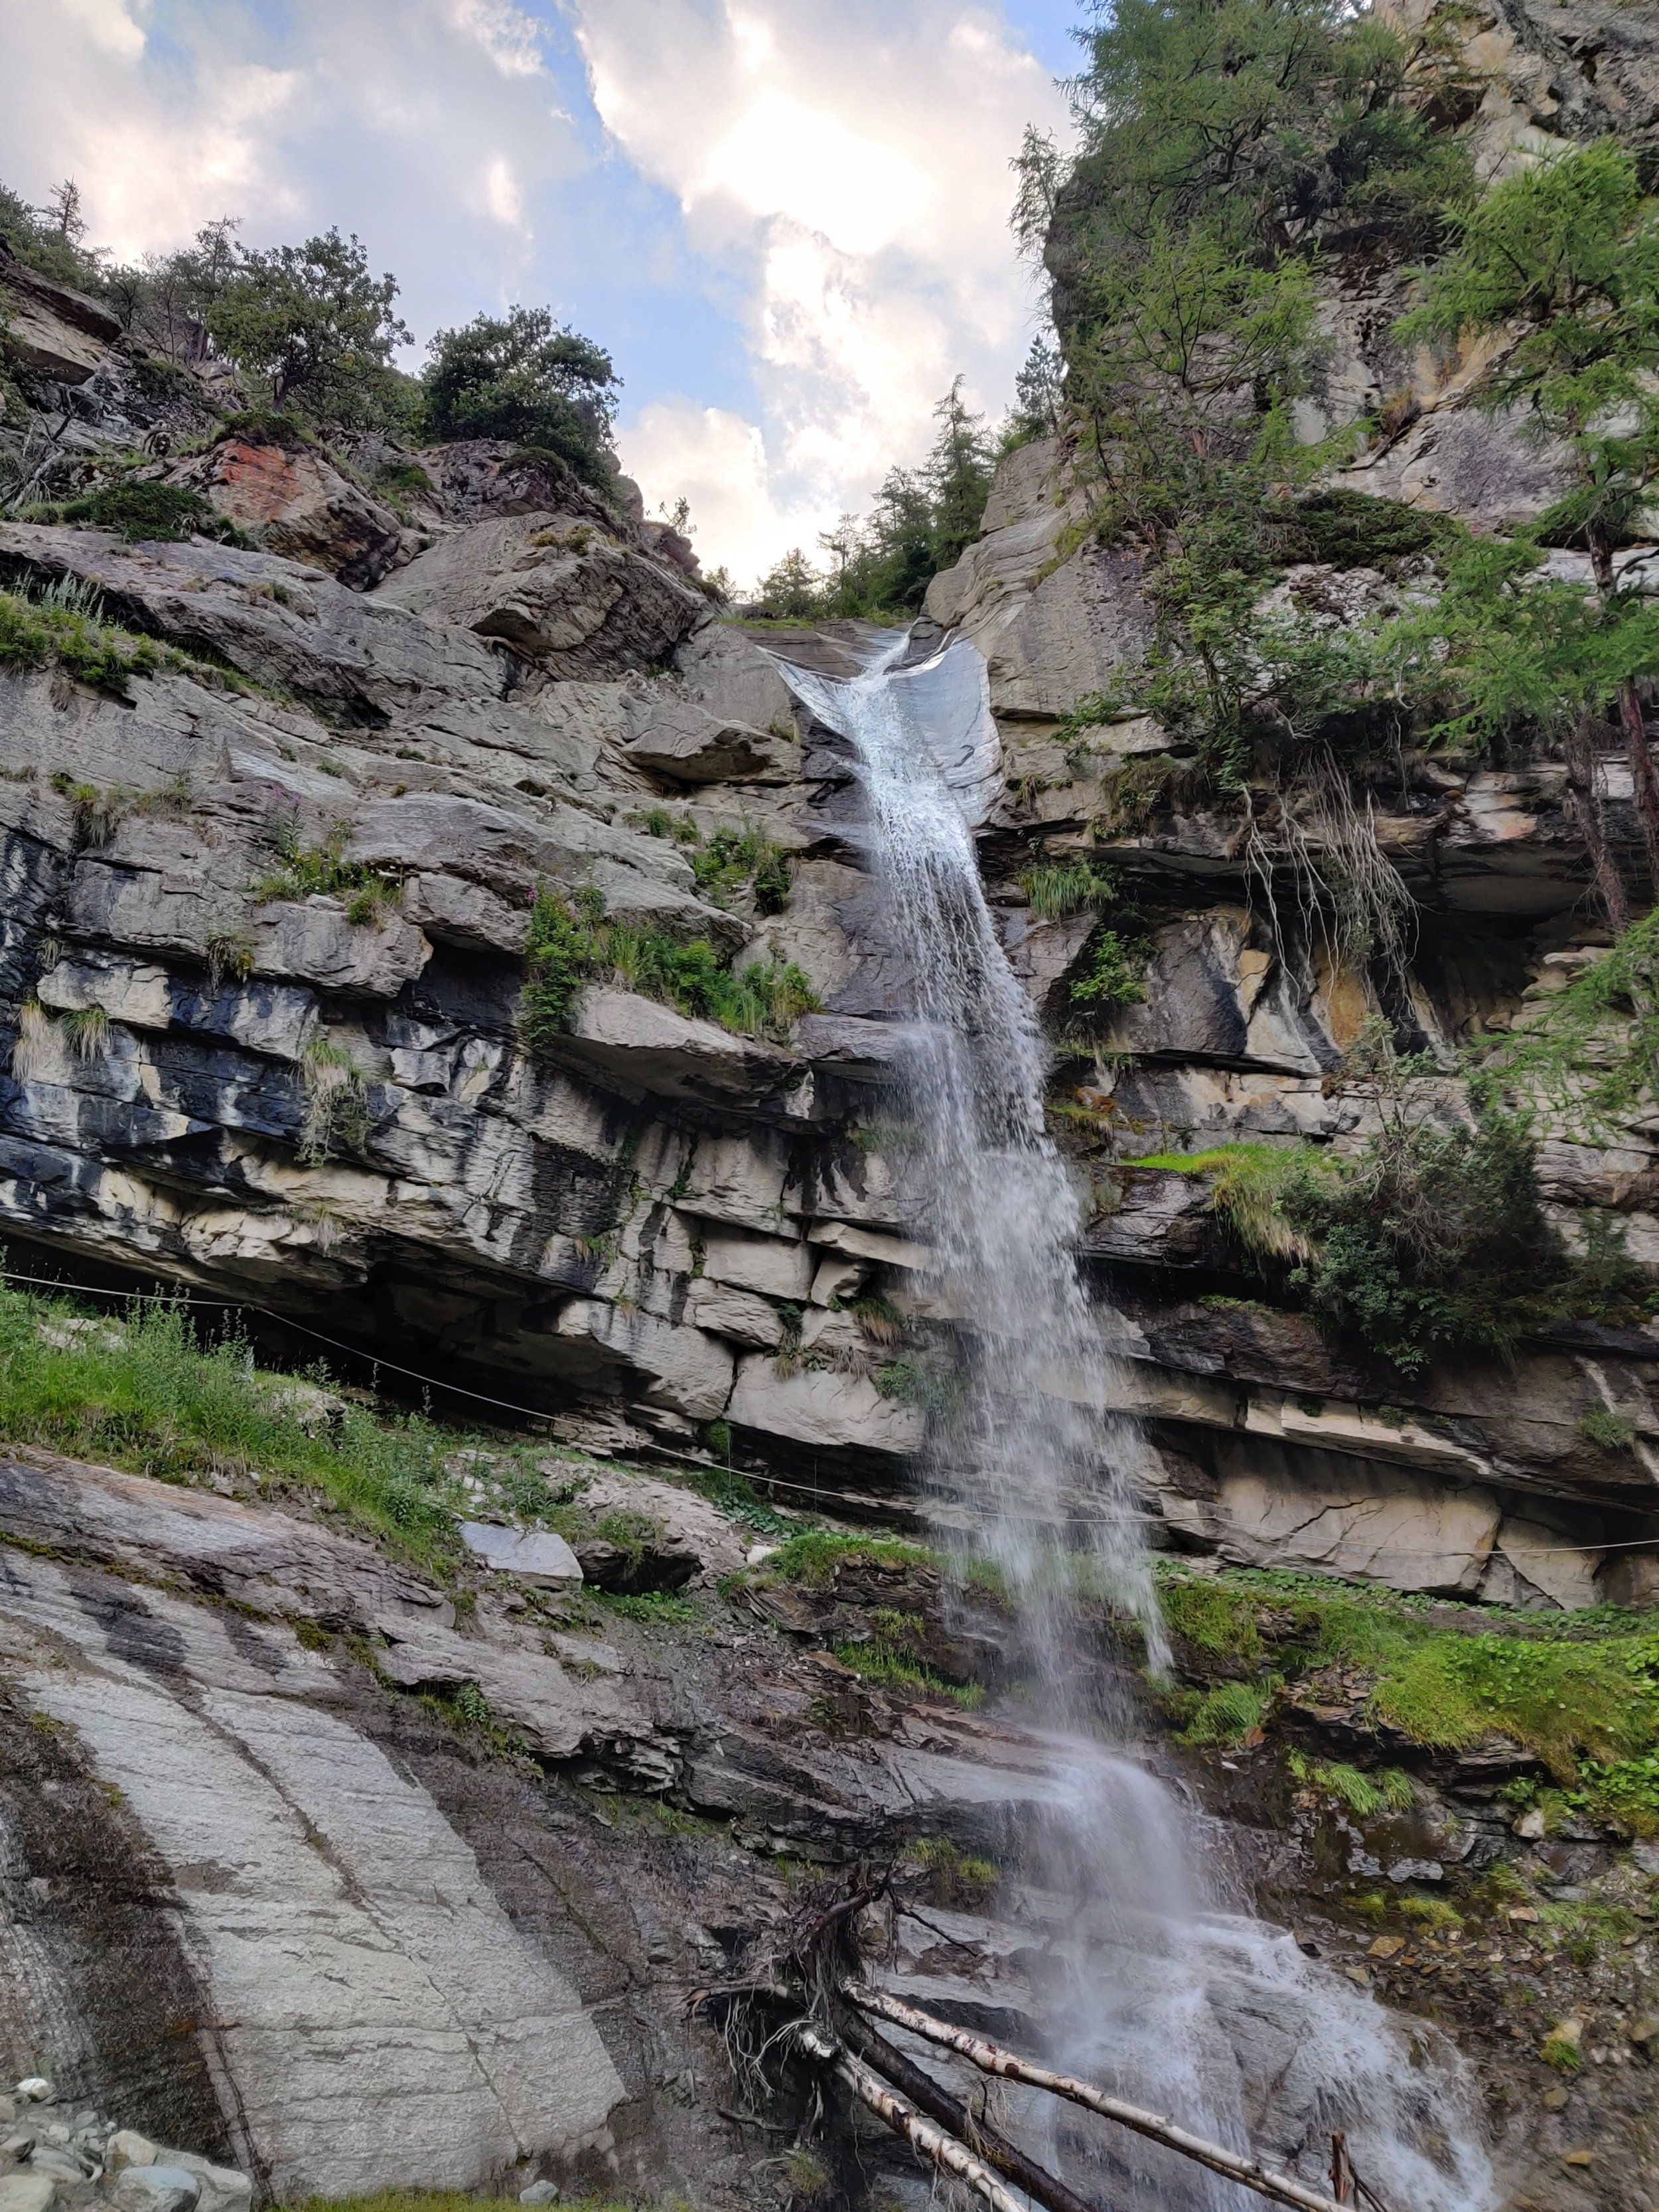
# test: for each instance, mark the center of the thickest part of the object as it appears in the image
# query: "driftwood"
(887, 2105)
(992, 2058)
(979, 2135)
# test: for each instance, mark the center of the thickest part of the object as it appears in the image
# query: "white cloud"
(429, 138)
(837, 167)
(512, 38)
(852, 162)
(719, 462)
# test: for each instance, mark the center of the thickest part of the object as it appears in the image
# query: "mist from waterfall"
(1171, 1993)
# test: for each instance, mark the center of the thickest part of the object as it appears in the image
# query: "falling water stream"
(1175, 1996)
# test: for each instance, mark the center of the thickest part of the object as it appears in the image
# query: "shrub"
(1109, 977)
(336, 1104)
(735, 860)
(140, 509)
(520, 376)
(310, 871)
(313, 328)
(571, 945)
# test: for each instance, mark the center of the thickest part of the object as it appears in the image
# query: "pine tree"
(1566, 255)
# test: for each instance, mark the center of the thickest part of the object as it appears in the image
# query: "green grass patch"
(1384, 1789)
(660, 1608)
(811, 1558)
(571, 944)
(146, 1392)
(892, 1657)
(1580, 1692)
(310, 871)
(1228, 1712)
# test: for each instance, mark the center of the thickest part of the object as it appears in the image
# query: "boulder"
(677, 739)
(156, 2189)
(288, 495)
(28, 2192)
(819, 1406)
(770, 1265)
(534, 1555)
(738, 1315)
(567, 594)
(646, 1046)
(50, 327)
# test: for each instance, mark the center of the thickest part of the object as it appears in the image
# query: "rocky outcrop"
(293, 501)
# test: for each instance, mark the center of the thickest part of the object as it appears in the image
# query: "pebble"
(34, 2089)
(539, 2192)
(1554, 2100)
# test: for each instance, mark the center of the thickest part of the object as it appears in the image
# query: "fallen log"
(992, 2058)
(887, 2105)
(914, 2082)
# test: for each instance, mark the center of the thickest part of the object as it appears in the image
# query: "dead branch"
(933, 2142)
(992, 2058)
(913, 2082)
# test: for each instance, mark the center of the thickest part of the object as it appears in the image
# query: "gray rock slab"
(384, 2025)
(156, 2189)
(535, 1555)
(288, 625)
(28, 2192)
(257, 1555)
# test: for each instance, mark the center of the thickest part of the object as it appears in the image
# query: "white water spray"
(1164, 1993)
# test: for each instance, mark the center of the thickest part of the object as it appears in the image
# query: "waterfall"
(1172, 1994)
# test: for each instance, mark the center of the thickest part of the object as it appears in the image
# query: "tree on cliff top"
(521, 376)
(1562, 258)
(311, 326)
(921, 521)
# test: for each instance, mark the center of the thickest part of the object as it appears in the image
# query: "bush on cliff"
(523, 377)
(313, 329)
(571, 945)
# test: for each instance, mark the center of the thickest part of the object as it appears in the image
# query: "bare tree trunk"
(1587, 813)
(1643, 780)
(888, 2105)
(992, 2058)
(993, 2146)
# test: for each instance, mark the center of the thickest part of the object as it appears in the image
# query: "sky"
(787, 220)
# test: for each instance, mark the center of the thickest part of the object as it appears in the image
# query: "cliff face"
(304, 1083)
(361, 1877)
